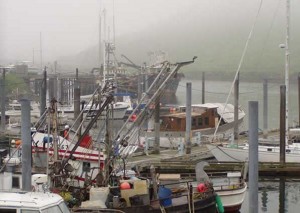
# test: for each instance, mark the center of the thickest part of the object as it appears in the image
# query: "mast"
(287, 61)
(100, 48)
(114, 26)
(41, 51)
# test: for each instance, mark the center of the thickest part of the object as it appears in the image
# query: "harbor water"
(276, 195)
(217, 92)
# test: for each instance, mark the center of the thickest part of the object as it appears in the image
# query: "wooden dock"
(169, 161)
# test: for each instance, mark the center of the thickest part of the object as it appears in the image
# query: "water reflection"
(282, 195)
(278, 195)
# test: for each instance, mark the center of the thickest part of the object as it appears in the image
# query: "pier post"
(282, 123)
(76, 100)
(157, 127)
(154, 182)
(299, 99)
(203, 88)
(26, 144)
(265, 112)
(3, 97)
(236, 108)
(188, 126)
(43, 93)
(253, 156)
(51, 88)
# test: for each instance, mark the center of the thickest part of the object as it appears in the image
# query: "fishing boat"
(230, 185)
(205, 119)
(14, 109)
(32, 202)
(118, 110)
(136, 195)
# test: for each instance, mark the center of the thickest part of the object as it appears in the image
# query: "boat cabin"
(33, 202)
(202, 118)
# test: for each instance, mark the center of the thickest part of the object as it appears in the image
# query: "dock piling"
(26, 144)
(253, 156)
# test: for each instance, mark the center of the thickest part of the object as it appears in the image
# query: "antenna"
(41, 52)
(114, 26)
(99, 42)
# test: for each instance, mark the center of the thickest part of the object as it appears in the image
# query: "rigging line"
(239, 66)
(268, 34)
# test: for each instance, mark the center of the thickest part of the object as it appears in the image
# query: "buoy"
(133, 118)
(201, 187)
(18, 142)
(124, 185)
(219, 204)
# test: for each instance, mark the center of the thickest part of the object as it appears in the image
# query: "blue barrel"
(164, 195)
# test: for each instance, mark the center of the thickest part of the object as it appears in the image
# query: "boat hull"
(207, 205)
(242, 154)
(232, 199)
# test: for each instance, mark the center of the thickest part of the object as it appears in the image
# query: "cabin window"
(269, 150)
(194, 122)
(206, 121)
(17, 108)
(86, 166)
(16, 182)
(200, 122)
(8, 210)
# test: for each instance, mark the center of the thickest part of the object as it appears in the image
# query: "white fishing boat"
(118, 110)
(230, 186)
(32, 202)
(14, 109)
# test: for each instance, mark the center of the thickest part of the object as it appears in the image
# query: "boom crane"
(166, 73)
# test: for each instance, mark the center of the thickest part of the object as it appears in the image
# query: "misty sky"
(69, 27)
